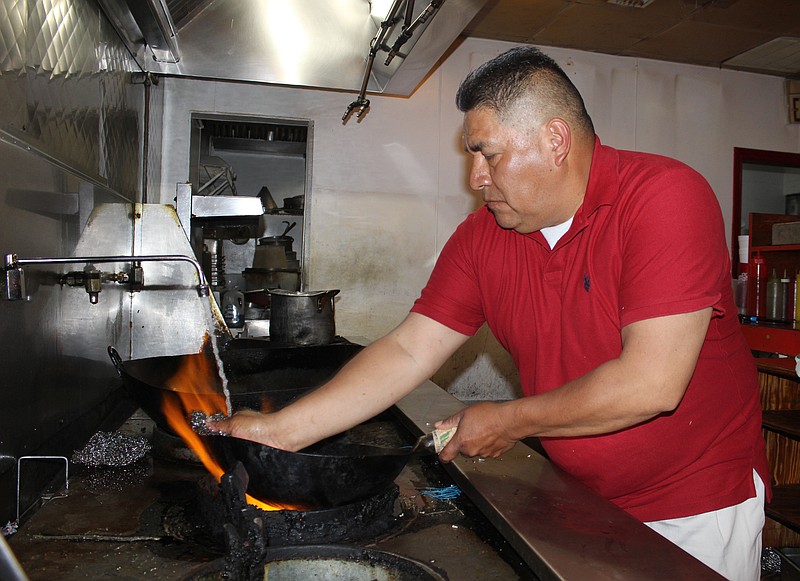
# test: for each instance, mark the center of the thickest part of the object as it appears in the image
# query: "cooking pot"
(302, 318)
(294, 202)
(284, 242)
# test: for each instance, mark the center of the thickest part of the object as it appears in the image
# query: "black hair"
(500, 83)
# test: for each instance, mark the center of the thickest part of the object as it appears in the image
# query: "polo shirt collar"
(603, 182)
(601, 190)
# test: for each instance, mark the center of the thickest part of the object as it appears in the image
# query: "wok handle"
(115, 359)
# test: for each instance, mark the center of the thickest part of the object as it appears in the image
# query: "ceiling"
(754, 35)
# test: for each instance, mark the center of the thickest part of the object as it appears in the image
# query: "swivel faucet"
(91, 278)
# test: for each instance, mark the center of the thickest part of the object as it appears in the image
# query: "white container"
(744, 249)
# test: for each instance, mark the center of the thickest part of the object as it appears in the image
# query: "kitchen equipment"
(275, 264)
(270, 255)
(258, 297)
(267, 202)
(283, 240)
(259, 279)
(172, 513)
(302, 318)
(294, 202)
(233, 308)
(342, 562)
(327, 474)
(258, 377)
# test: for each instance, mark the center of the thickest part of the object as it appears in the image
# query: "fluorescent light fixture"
(781, 55)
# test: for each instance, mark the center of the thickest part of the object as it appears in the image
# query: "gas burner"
(247, 531)
(328, 562)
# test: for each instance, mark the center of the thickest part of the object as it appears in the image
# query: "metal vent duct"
(311, 43)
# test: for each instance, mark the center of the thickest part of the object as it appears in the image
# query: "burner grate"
(247, 531)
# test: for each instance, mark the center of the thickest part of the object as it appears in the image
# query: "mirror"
(763, 181)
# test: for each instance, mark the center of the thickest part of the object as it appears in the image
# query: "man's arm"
(376, 378)
(649, 377)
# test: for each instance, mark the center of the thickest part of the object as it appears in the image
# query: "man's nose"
(479, 176)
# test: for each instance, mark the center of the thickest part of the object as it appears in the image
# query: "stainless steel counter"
(559, 527)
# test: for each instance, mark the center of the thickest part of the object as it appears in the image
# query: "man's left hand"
(482, 432)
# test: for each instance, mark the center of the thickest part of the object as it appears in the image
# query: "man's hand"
(248, 425)
(482, 431)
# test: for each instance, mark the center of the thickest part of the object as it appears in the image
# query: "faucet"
(90, 277)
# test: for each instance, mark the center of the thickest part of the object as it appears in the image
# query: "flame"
(194, 388)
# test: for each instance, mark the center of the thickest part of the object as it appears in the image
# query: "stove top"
(516, 517)
(144, 520)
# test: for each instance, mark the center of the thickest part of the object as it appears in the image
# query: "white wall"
(387, 192)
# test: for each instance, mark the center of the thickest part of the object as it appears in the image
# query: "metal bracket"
(19, 474)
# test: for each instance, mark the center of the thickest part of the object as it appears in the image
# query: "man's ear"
(559, 137)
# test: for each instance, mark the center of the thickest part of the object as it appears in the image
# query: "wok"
(259, 374)
(333, 472)
(328, 474)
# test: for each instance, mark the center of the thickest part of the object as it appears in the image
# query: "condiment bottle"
(796, 302)
(787, 287)
(774, 297)
(740, 295)
(757, 282)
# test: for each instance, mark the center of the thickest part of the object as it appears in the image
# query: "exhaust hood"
(308, 43)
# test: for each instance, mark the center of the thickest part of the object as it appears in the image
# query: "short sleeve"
(452, 295)
(674, 253)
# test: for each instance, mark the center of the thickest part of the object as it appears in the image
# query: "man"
(605, 274)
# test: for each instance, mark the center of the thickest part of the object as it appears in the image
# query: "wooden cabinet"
(779, 388)
(780, 399)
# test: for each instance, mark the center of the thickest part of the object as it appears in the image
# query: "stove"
(517, 517)
(163, 518)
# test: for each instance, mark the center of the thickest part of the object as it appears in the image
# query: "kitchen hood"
(308, 43)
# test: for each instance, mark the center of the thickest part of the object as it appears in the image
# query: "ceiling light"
(781, 55)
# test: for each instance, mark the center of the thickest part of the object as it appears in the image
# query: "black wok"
(327, 474)
(259, 374)
(331, 473)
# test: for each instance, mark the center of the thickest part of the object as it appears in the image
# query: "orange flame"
(195, 386)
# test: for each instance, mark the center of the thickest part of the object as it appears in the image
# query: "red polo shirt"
(648, 241)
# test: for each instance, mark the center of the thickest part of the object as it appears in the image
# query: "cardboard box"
(786, 233)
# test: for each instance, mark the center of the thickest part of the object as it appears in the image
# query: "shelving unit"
(779, 388)
(780, 399)
(266, 163)
(779, 257)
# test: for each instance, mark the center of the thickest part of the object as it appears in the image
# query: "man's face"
(516, 172)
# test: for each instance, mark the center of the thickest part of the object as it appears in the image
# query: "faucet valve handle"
(14, 282)
(92, 282)
(136, 277)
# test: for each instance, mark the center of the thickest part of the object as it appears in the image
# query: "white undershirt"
(554, 233)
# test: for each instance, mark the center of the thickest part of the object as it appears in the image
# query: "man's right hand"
(248, 425)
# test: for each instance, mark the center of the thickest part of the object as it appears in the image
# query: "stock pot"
(302, 318)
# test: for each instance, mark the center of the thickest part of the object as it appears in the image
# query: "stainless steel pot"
(302, 318)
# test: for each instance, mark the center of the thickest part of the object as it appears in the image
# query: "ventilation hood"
(308, 43)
